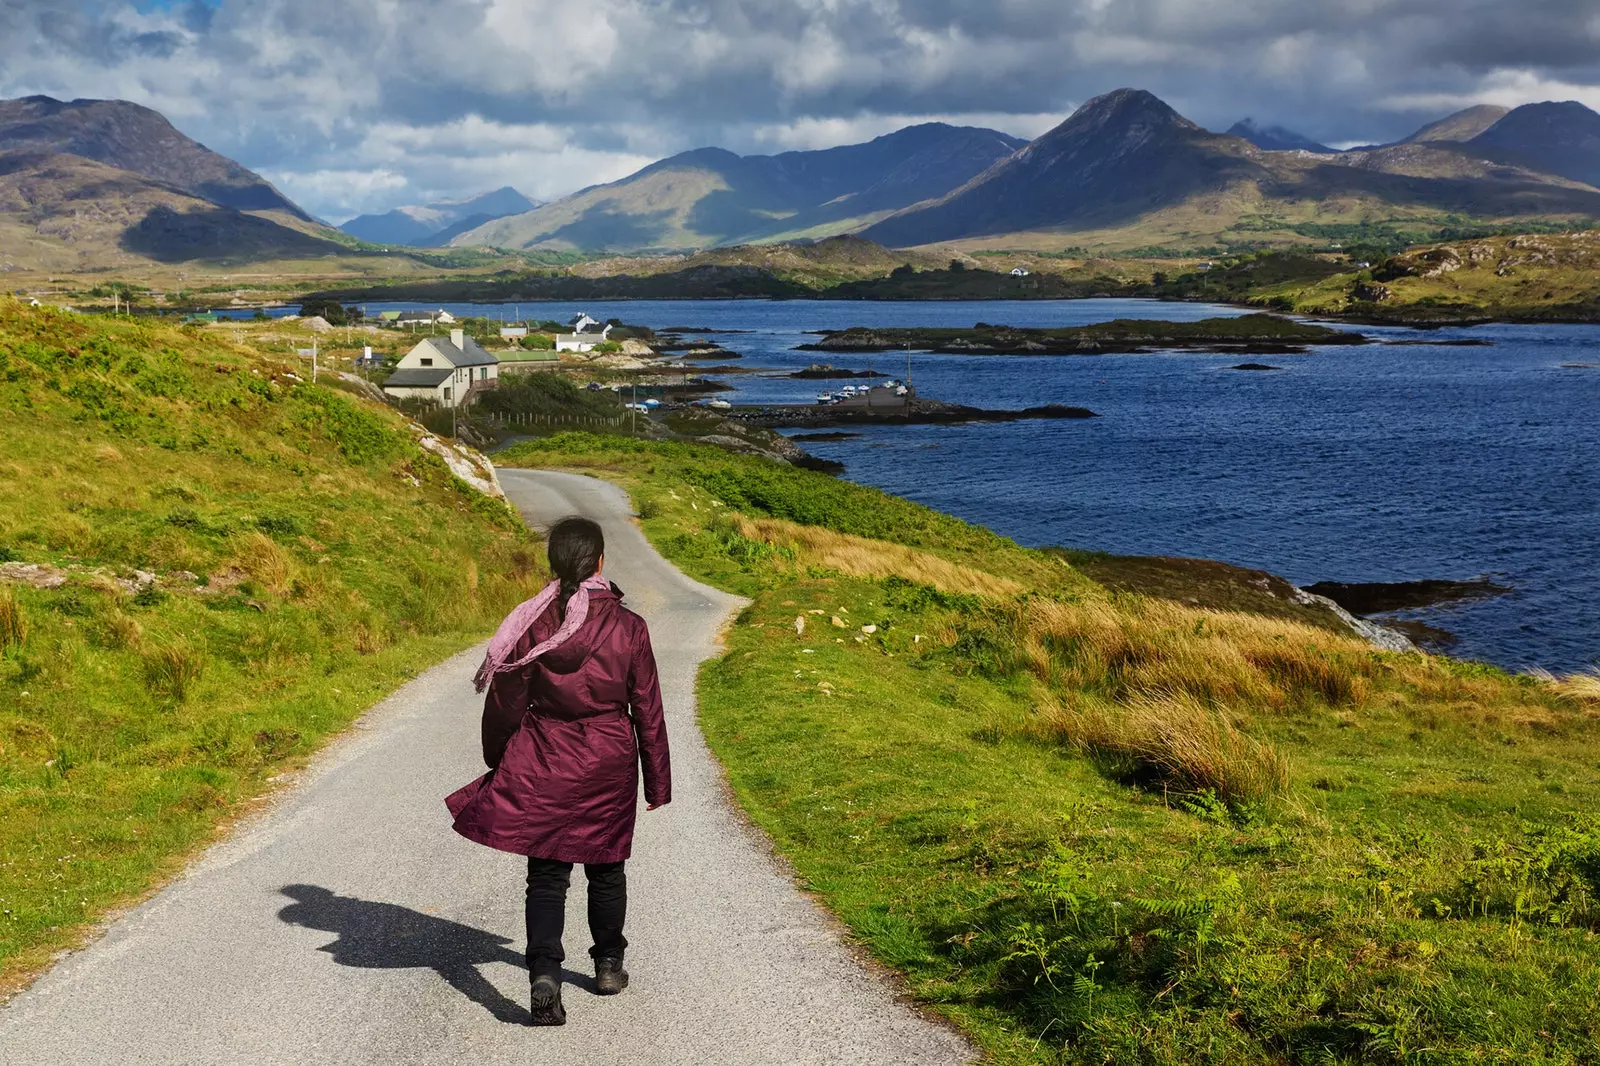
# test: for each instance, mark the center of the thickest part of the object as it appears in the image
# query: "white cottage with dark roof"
(444, 370)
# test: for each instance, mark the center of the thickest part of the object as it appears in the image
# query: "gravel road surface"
(349, 925)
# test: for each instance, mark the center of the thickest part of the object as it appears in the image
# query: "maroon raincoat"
(564, 738)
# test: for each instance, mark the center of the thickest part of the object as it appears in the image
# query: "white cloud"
(808, 134)
(1506, 88)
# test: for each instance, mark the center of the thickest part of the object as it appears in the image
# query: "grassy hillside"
(1555, 275)
(1101, 827)
(207, 567)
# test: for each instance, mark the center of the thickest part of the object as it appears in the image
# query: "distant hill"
(436, 224)
(1561, 138)
(93, 184)
(137, 139)
(1127, 170)
(1461, 126)
(711, 197)
(1276, 138)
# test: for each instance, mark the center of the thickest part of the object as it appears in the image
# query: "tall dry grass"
(877, 559)
(1175, 741)
(1132, 647)
(13, 627)
(267, 563)
(1581, 688)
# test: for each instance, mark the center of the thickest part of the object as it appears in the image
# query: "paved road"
(349, 925)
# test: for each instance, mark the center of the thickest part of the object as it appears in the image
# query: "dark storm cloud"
(364, 103)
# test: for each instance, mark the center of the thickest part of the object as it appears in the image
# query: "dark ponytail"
(574, 548)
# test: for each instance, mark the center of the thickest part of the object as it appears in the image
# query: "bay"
(1380, 463)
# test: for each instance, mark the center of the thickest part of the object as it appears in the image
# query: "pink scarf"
(523, 616)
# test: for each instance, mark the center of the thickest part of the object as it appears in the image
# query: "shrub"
(1552, 875)
(280, 525)
(118, 630)
(360, 435)
(171, 668)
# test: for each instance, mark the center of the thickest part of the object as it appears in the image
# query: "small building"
(579, 341)
(1020, 272)
(519, 361)
(444, 370)
(440, 317)
(582, 323)
(389, 318)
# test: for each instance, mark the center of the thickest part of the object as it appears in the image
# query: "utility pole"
(314, 347)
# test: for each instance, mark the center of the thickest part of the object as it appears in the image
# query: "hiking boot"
(547, 1009)
(609, 977)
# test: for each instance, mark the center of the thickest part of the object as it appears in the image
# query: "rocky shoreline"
(918, 412)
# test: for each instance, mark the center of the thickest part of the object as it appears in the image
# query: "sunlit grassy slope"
(1532, 275)
(1097, 827)
(301, 556)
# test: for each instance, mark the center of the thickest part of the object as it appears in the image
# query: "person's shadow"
(386, 936)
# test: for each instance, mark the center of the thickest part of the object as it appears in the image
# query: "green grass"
(985, 787)
(308, 558)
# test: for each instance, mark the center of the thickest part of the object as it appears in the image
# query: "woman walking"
(573, 710)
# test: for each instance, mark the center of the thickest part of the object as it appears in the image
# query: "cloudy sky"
(362, 105)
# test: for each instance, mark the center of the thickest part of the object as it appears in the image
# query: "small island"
(829, 372)
(1245, 335)
(918, 412)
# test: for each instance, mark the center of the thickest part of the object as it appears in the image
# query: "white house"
(444, 370)
(1020, 272)
(580, 341)
(425, 318)
(582, 323)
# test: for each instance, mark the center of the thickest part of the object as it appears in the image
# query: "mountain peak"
(1275, 138)
(1117, 156)
(1461, 126)
(135, 138)
(1555, 137)
(1127, 105)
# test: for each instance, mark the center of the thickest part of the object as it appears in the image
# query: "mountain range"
(97, 183)
(710, 197)
(1126, 161)
(92, 184)
(435, 225)
(1125, 170)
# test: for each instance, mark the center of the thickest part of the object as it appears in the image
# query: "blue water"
(1352, 464)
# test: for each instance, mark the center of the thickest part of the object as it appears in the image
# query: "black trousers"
(547, 911)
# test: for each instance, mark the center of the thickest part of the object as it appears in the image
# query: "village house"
(587, 334)
(420, 318)
(444, 370)
(1020, 272)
